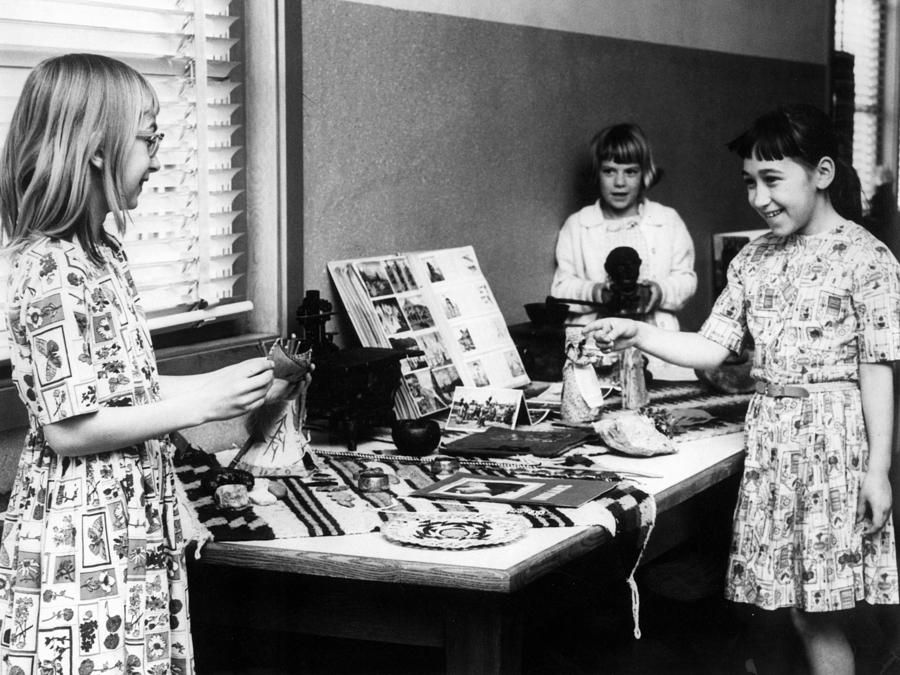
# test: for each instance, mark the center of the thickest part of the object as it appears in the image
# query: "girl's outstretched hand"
(874, 503)
(612, 334)
(234, 390)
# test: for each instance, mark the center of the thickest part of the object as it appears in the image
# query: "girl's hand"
(235, 390)
(874, 503)
(284, 390)
(655, 296)
(613, 334)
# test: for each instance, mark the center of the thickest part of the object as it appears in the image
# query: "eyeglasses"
(152, 140)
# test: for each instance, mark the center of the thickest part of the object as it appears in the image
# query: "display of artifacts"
(517, 489)
(439, 307)
(476, 408)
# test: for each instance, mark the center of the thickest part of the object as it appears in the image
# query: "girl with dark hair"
(820, 297)
(92, 570)
(623, 216)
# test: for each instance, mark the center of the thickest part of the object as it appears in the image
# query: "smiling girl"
(92, 573)
(821, 298)
(623, 216)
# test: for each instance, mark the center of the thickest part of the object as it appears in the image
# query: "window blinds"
(185, 242)
(858, 29)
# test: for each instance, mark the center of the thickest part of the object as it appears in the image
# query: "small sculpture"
(276, 445)
(623, 293)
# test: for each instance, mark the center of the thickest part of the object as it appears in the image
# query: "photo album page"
(437, 303)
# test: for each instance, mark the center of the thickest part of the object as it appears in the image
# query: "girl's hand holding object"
(234, 390)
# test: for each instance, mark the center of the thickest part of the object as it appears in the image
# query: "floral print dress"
(816, 306)
(92, 575)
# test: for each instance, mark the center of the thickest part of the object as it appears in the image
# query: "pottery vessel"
(416, 437)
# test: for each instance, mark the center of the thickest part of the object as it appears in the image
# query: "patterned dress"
(92, 575)
(816, 306)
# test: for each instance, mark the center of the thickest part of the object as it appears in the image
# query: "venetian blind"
(184, 243)
(858, 30)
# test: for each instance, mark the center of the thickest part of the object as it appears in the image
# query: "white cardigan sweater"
(660, 238)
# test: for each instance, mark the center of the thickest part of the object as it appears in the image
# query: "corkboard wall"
(425, 131)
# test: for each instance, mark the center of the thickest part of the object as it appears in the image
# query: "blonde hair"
(73, 108)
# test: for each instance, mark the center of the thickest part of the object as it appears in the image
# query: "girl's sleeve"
(876, 297)
(681, 283)
(52, 356)
(727, 323)
(566, 282)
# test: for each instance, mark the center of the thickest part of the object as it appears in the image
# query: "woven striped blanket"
(329, 502)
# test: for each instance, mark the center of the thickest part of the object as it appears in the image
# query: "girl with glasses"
(92, 556)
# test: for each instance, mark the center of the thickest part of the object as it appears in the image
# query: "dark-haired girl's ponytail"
(845, 191)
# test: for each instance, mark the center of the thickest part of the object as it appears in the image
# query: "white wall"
(794, 30)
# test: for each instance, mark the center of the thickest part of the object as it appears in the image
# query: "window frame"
(271, 234)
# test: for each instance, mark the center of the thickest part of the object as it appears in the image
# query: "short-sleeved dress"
(816, 306)
(92, 576)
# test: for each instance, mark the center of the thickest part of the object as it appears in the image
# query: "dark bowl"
(416, 437)
(544, 314)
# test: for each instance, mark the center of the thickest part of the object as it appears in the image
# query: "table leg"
(484, 637)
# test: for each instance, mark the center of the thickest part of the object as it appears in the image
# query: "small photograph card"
(476, 408)
(514, 490)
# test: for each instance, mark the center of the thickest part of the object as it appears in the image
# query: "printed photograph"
(446, 380)
(400, 275)
(450, 307)
(417, 312)
(435, 351)
(390, 316)
(475, 408)
(422, 390)
(374, 278)
(464, 337)
(485, 487)
(435, 275)
(476, 368)
(514, 363)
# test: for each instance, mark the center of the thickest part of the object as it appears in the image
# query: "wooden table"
(469, 603)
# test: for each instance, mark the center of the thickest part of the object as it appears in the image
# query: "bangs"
(149, 100)
(772, 137)
(623, 150)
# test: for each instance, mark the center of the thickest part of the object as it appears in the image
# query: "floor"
(696, 634)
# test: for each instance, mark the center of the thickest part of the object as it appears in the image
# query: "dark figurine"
(623, 293)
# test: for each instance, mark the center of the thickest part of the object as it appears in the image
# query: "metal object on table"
(443, 466)
(373, 480)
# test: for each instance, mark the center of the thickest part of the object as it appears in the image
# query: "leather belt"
(802, 390)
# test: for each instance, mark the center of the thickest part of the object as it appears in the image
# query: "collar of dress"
(594, 218)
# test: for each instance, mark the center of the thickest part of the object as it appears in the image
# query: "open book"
(437, 303)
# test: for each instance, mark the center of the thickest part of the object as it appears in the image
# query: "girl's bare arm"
(690, 350)
(228, 392)
(876, 384)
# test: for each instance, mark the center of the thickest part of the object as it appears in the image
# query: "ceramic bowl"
(416, 437)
